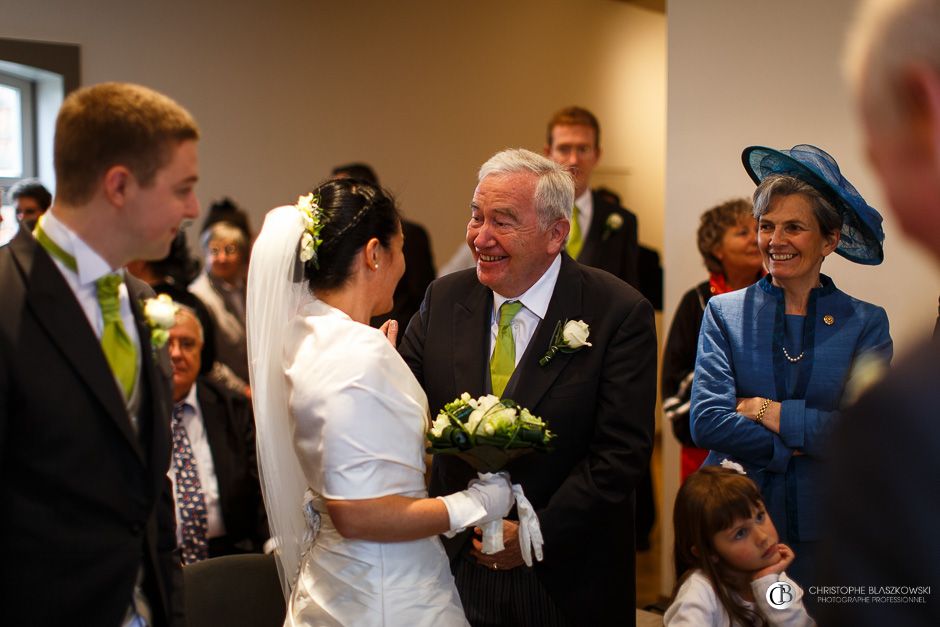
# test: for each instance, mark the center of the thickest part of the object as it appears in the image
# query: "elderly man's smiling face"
(510, 249)
(185, 346)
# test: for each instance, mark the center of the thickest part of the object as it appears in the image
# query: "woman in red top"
(727, 240)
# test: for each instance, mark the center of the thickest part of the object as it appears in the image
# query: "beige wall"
(423, 90)
(744, 72)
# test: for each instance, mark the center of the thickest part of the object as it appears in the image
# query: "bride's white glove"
(488, 498)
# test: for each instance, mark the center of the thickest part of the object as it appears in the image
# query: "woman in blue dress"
(776, 361)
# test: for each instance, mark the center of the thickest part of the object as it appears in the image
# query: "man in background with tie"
(603, 234)
(485, 330)
(88, 532)
(219, 510)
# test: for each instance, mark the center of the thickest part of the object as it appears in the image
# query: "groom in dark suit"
(598, 400)
(87, 533)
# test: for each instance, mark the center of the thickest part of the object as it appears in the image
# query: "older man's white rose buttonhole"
(160, 313)
(488, 433)
(570, 336)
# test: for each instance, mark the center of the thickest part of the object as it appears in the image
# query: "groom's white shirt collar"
(91, 265)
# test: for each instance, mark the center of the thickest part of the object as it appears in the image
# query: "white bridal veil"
(276, 291)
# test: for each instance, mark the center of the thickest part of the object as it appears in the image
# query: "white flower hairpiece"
(735, 466)
(313, 223)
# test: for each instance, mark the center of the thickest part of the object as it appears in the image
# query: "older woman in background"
(727, 240)
(222, 288)
(774, 360)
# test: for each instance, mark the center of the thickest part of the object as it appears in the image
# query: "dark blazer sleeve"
(623, 427)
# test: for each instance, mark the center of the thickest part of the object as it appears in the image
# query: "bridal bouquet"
(487, 433)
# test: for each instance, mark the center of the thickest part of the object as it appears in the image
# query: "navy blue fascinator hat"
(862, 236)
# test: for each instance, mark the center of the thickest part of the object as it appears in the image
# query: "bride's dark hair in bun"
(354, 211)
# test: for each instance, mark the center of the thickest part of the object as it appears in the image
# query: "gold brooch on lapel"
(828, 320)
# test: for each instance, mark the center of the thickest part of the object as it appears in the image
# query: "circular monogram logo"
(780, 595)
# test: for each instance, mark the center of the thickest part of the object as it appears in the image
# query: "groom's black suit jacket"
(599, 402)
(86, 500)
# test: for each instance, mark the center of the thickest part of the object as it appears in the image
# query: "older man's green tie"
(503, 361)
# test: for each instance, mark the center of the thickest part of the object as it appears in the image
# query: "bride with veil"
(341, 421)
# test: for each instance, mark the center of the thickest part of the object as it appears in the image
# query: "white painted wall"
(424, 90)
(744, 72)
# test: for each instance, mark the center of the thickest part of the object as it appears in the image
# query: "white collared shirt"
(585, 204)
(205, 466)
(534, 301)
(91, 267)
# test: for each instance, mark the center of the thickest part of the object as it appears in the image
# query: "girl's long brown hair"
(708, 502)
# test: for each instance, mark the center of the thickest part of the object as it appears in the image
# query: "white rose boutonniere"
(613, 223)
(160, 313)
(569, 336)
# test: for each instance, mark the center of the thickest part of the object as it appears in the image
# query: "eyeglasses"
(229, 250)
(566, 150)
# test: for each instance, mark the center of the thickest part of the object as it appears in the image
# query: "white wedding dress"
(358, 417)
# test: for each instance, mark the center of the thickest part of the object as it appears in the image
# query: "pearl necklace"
(792, 360)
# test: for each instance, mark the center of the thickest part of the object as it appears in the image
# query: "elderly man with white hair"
(489, 330)
(882, 509)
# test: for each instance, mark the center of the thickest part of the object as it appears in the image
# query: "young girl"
(727, 556)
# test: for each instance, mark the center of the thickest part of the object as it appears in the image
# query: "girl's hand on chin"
(786, 557)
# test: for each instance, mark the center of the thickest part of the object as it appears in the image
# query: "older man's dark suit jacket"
(615, 250)
(230, 430)
(86, 500)
(599, 402)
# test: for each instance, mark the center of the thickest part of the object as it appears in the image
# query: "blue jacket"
(740, 354)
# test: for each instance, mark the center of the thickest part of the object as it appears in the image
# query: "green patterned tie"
(116, 344)
(503, 361)
(575, 243)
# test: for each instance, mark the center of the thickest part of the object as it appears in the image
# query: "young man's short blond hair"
(111, 124)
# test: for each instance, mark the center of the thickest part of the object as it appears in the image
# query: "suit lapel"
(57, 310)
(471, 330)
(156, 372)
(531, 381)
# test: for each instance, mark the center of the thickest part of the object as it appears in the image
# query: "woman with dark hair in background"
(727, 241)
(776, 359)
(341, 421)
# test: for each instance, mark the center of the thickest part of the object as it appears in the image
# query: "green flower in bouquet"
(487, 432)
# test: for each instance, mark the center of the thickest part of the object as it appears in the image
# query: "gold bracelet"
(765, 403)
